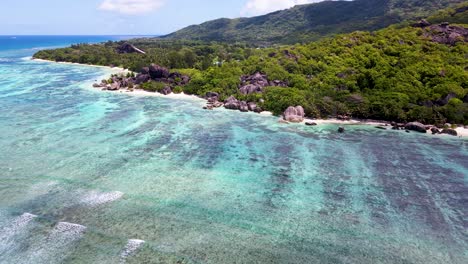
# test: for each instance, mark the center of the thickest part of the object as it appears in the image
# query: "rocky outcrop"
(445, 100)
(212, 97)
(152, 73)
(129, 48)
(243, 107)
(435, 131)
(158, 72)
(166, 90)
(422, 23)
(232, 103)
(250, 89)
(255, 83)
(142, 78)
(294, 114)
(449, 131)
(254, 107)
(416, 126)
(445, 33)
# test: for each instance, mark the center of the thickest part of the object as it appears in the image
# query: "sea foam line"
(132, 246)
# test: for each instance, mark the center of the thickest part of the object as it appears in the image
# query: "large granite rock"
(449, 131)
(294, 114)
(114, 86)
(166, 90)
(232, 103)
(256, 82)
(158, 72)
(145, 70)
(243, 107)
(416, 126)
(445, 33)
(422, 23)
(129, 48)
(251, 88)
(212, 97)
(142, 78)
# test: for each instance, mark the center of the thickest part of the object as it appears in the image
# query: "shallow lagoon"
(83, 171)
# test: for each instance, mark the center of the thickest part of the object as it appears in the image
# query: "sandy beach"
(117, 69)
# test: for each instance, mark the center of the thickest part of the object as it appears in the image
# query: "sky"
(124, 17)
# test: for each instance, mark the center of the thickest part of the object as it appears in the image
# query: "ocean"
(98, 177)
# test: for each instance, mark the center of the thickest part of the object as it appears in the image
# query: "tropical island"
(406, 64)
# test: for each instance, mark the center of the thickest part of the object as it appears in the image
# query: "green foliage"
(393, 74)
(152, 86)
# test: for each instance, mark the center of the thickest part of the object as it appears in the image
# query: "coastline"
(81, 64)
(462, 131)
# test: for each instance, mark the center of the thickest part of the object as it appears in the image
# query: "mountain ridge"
(310, 22)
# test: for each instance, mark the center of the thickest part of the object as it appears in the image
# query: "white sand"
(80, 64)
(140, 92)
(347, 122)
(462, 131)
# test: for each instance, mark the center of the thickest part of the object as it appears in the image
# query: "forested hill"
(417, 72)
(310, 22)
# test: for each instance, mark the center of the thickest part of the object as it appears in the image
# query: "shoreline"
(81, 64)
(462, 131)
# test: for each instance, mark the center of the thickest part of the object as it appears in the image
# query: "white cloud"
(260, 7)
(131, 7)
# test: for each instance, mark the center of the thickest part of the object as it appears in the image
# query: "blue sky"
(122, 17)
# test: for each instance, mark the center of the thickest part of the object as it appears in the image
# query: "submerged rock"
(416, 126)
(341, 130)
(294, 114)
(311, 123)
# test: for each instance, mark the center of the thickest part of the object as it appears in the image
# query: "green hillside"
(305, 23)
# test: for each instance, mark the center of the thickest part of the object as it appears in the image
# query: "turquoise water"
(83, 172)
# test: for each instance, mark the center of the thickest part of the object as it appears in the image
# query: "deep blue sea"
(98, 177)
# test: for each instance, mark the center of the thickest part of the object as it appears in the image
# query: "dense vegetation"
(397, 73)
(305, 23)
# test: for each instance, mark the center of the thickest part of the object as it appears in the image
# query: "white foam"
(132, 246)
(57, 244)
(68, 229)
(5, 60)
(96, 198)
(19, 223)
